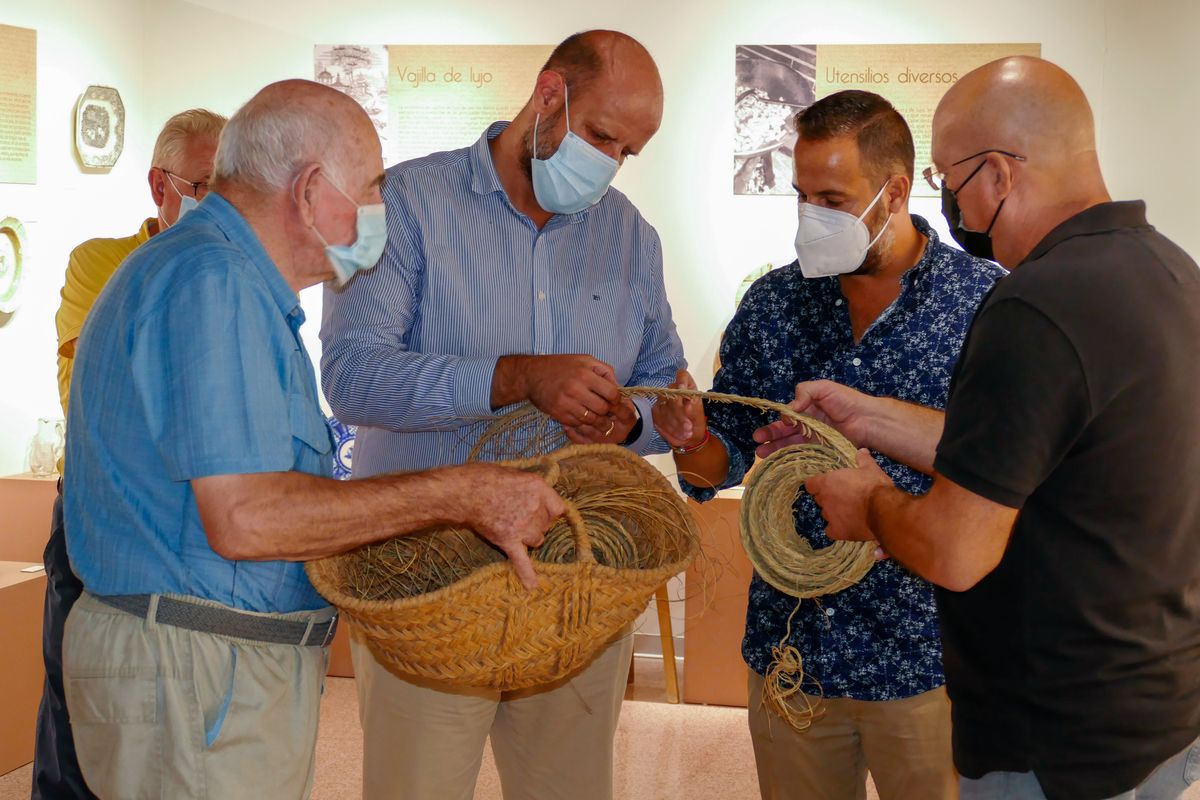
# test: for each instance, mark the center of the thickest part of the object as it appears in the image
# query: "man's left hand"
(609, 429)
(843, 496)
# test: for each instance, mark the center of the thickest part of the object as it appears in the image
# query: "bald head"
(604, 56)
(1016, 142)
(287, 125)
(1023, 105)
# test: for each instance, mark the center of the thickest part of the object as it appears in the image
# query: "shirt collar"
(145, 232)
(928, 256)
(1101, 218)
(484, 179)
(238, 231)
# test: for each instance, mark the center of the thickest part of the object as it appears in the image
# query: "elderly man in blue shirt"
(874, 301)
(200, 471)
(512, 273)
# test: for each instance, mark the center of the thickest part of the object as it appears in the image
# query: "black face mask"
(976, 243)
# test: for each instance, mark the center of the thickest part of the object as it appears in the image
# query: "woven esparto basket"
(486, 629)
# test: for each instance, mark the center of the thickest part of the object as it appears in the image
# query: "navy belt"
(225, 621)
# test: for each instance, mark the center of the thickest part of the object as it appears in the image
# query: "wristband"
(635, 432)
(684, 451)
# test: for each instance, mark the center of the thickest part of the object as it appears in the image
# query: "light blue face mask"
(371, 227)
(186, 202)
(575, 177)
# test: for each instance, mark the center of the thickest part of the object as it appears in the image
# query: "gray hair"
(266, 144)
(180, 129)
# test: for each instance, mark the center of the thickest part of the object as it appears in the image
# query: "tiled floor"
(663, 751)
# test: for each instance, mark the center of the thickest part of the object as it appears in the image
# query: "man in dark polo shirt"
(1064, 519)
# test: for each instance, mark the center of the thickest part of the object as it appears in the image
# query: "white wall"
(1149, 111)
(1132, 58)
(1129, 56)
(77, 44)
(682, 182)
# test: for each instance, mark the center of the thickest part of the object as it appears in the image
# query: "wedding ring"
(611, 425)
(586, 411)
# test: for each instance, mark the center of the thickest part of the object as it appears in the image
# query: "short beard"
(874, 261)
(545, 130)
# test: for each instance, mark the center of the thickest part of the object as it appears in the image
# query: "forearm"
(296, 517)
(510, 381)
(906, 432)
(895, 517)
(948, 536)
(396, 389)
(707, 468)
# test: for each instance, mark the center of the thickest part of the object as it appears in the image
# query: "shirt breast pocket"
(308, 425)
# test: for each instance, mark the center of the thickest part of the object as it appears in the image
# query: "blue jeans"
(56, 774)
(1168, 782)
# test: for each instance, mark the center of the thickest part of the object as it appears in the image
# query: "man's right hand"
(681, 421)
(844, 408)
(509, 508)
(572, 389)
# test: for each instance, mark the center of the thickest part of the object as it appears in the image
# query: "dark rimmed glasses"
(937, 180)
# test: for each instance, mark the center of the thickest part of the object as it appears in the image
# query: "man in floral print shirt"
(877, 302)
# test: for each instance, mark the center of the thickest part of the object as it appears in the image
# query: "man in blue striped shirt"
(512, 273)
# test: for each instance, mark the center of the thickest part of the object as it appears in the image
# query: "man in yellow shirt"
(182, 164)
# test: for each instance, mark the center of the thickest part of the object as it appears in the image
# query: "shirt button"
(829, 612)
(541, 295)
(857, 362)
(837, 302)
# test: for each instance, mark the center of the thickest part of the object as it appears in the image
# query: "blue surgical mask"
(186, 203)
(371, 227)
(575, 177)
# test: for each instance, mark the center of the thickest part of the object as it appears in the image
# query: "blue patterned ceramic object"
(343, 448)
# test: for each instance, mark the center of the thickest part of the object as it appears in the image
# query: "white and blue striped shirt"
(409, 348)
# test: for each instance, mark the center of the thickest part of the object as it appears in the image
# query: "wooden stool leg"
(668, 643)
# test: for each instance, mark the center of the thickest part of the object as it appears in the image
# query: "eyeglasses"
(199, 188)
(937, 180)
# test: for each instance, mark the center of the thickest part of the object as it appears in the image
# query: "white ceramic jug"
(47, 446)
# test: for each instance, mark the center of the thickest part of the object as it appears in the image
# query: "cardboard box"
(21, 669)
(715, 607)
(27, 502)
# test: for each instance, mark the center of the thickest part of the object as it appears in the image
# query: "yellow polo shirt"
(90, 266)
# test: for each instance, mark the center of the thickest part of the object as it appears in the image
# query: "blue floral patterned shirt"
(877, 640)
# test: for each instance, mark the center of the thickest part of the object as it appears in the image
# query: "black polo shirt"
(1077, 401)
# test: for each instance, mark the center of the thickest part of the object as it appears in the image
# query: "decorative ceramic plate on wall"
(12, 252)
(100, 126)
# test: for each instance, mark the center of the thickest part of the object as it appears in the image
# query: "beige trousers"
(424, 741)
(904, 743)
(164, 712)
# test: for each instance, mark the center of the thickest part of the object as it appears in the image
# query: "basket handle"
(583, 542)
(547, 467)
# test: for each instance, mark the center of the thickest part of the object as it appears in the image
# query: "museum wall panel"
(1133, 59)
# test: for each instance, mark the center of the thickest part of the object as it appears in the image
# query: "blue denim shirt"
(877, 640)
(190, 365)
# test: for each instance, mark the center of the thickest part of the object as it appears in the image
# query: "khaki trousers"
(424, 741)
(904, 743)
(164, 712)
